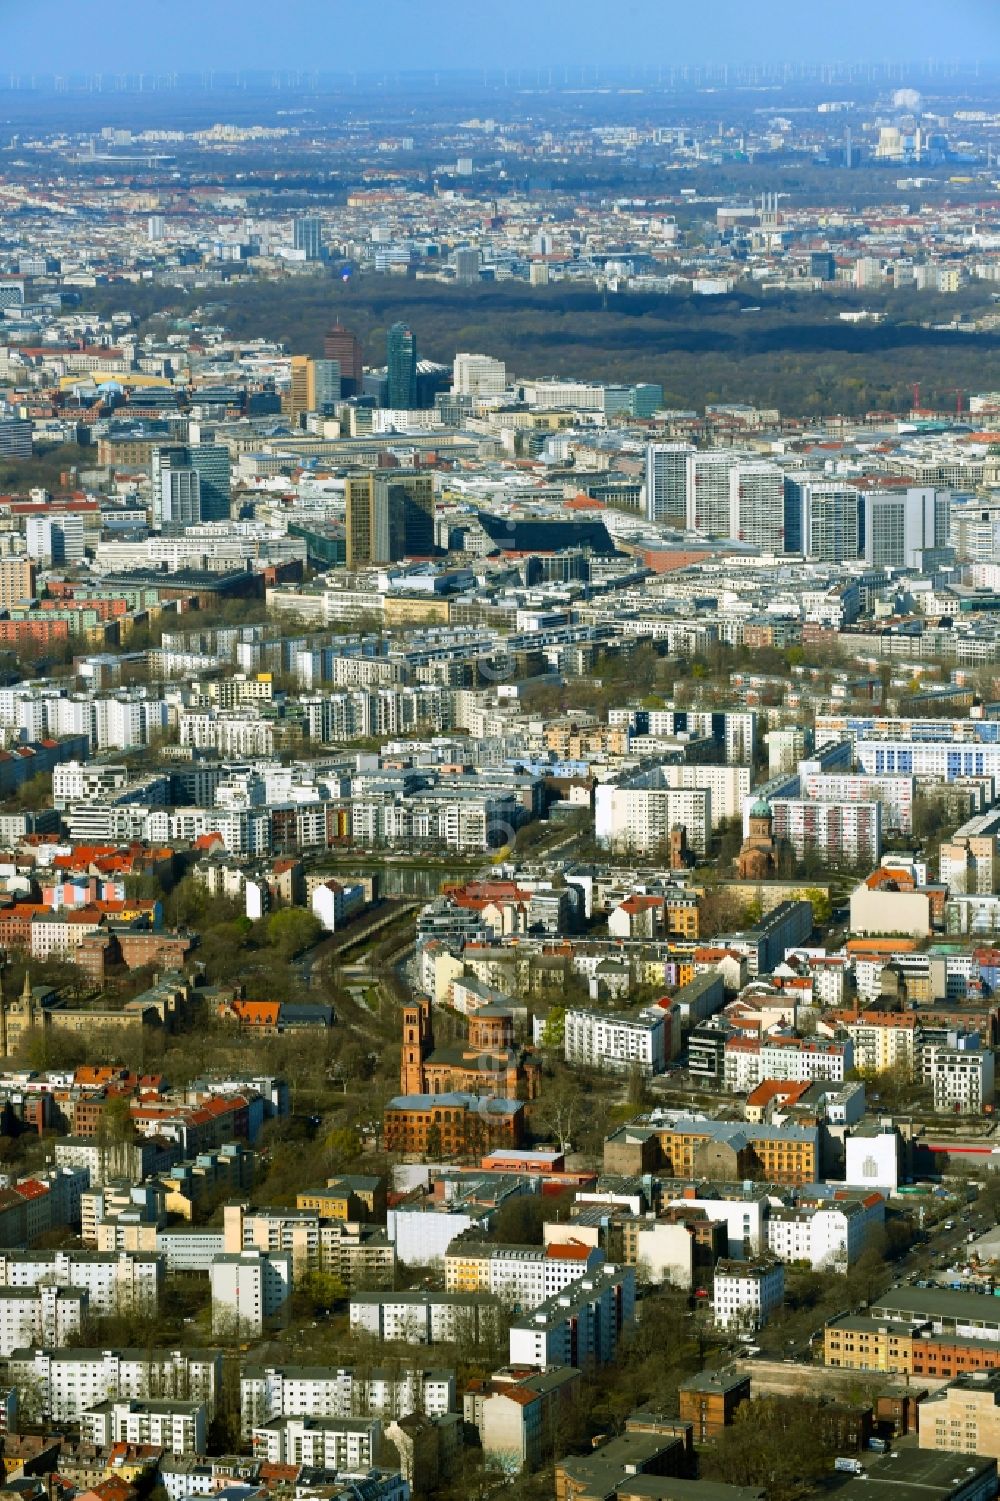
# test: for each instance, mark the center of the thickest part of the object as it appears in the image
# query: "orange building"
(709, 1401)
(451, 1125)
(856, 1343)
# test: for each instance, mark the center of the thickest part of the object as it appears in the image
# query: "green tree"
(292, 930)
(554, 1029)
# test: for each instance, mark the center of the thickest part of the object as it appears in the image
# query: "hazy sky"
(49, 36)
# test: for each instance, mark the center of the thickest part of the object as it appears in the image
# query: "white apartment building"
(638, 817)
(667, 483)
(424, 1317)
(250, 1290)
(793, 1059)
(747, 1293)
(729, 785)
(113, 1282)
(757, 505)
(581, 1326)
(708, 490)
(525, 1274)
(269, 1392)
(177, 1427)
(895, 794)
(43, 1315)
(68, 1382)
(963, 1081)
(848, 832)
(321, 1443)
(73, 782)
(830, 1238)
(604, 1040)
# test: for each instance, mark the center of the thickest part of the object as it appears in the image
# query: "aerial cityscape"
(500, 752)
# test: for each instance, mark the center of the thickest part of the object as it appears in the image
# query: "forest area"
(786, 350)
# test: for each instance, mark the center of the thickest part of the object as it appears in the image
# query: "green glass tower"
(401, 359)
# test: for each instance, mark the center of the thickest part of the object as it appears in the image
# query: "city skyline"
(62, 38)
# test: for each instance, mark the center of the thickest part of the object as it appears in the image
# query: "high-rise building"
(56, 538)
(298, 393)
(467, 263)
(212, 464)
(390, 515)
(17, 581)
(478, 375)
(15, 438)
(307, 236)
(179, 499)
(708, 497)
(821, 518)
(341, 345)
(757, 505)
(899, 526)
(666, 483)
(176, 488)
(315, 386)
(401, 359)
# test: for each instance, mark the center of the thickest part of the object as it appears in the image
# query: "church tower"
(418, 1041)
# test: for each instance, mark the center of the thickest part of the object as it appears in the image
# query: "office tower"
(307, 235)
(646, 399)
(315, 386)
(180, 499)
(212, 464)
(341, 345)
(401, 359)
(156, 227)
(757, 506)
(15, 438)
(55, 539)
(900, 526)
(822, 265)
(708, 500)
(821, 518)
(176, 487)
(325, 389)
(467, 263)
(390, 515)
(478, 375)
(666, 483)
(298, 393)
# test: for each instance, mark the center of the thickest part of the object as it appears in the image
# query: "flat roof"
(671, 1488)
(937, 1303)
(912, 1474)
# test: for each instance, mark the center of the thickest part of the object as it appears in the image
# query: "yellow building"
(860, 1344)
(467, 1267)
(416, 610)
(964, 1416)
